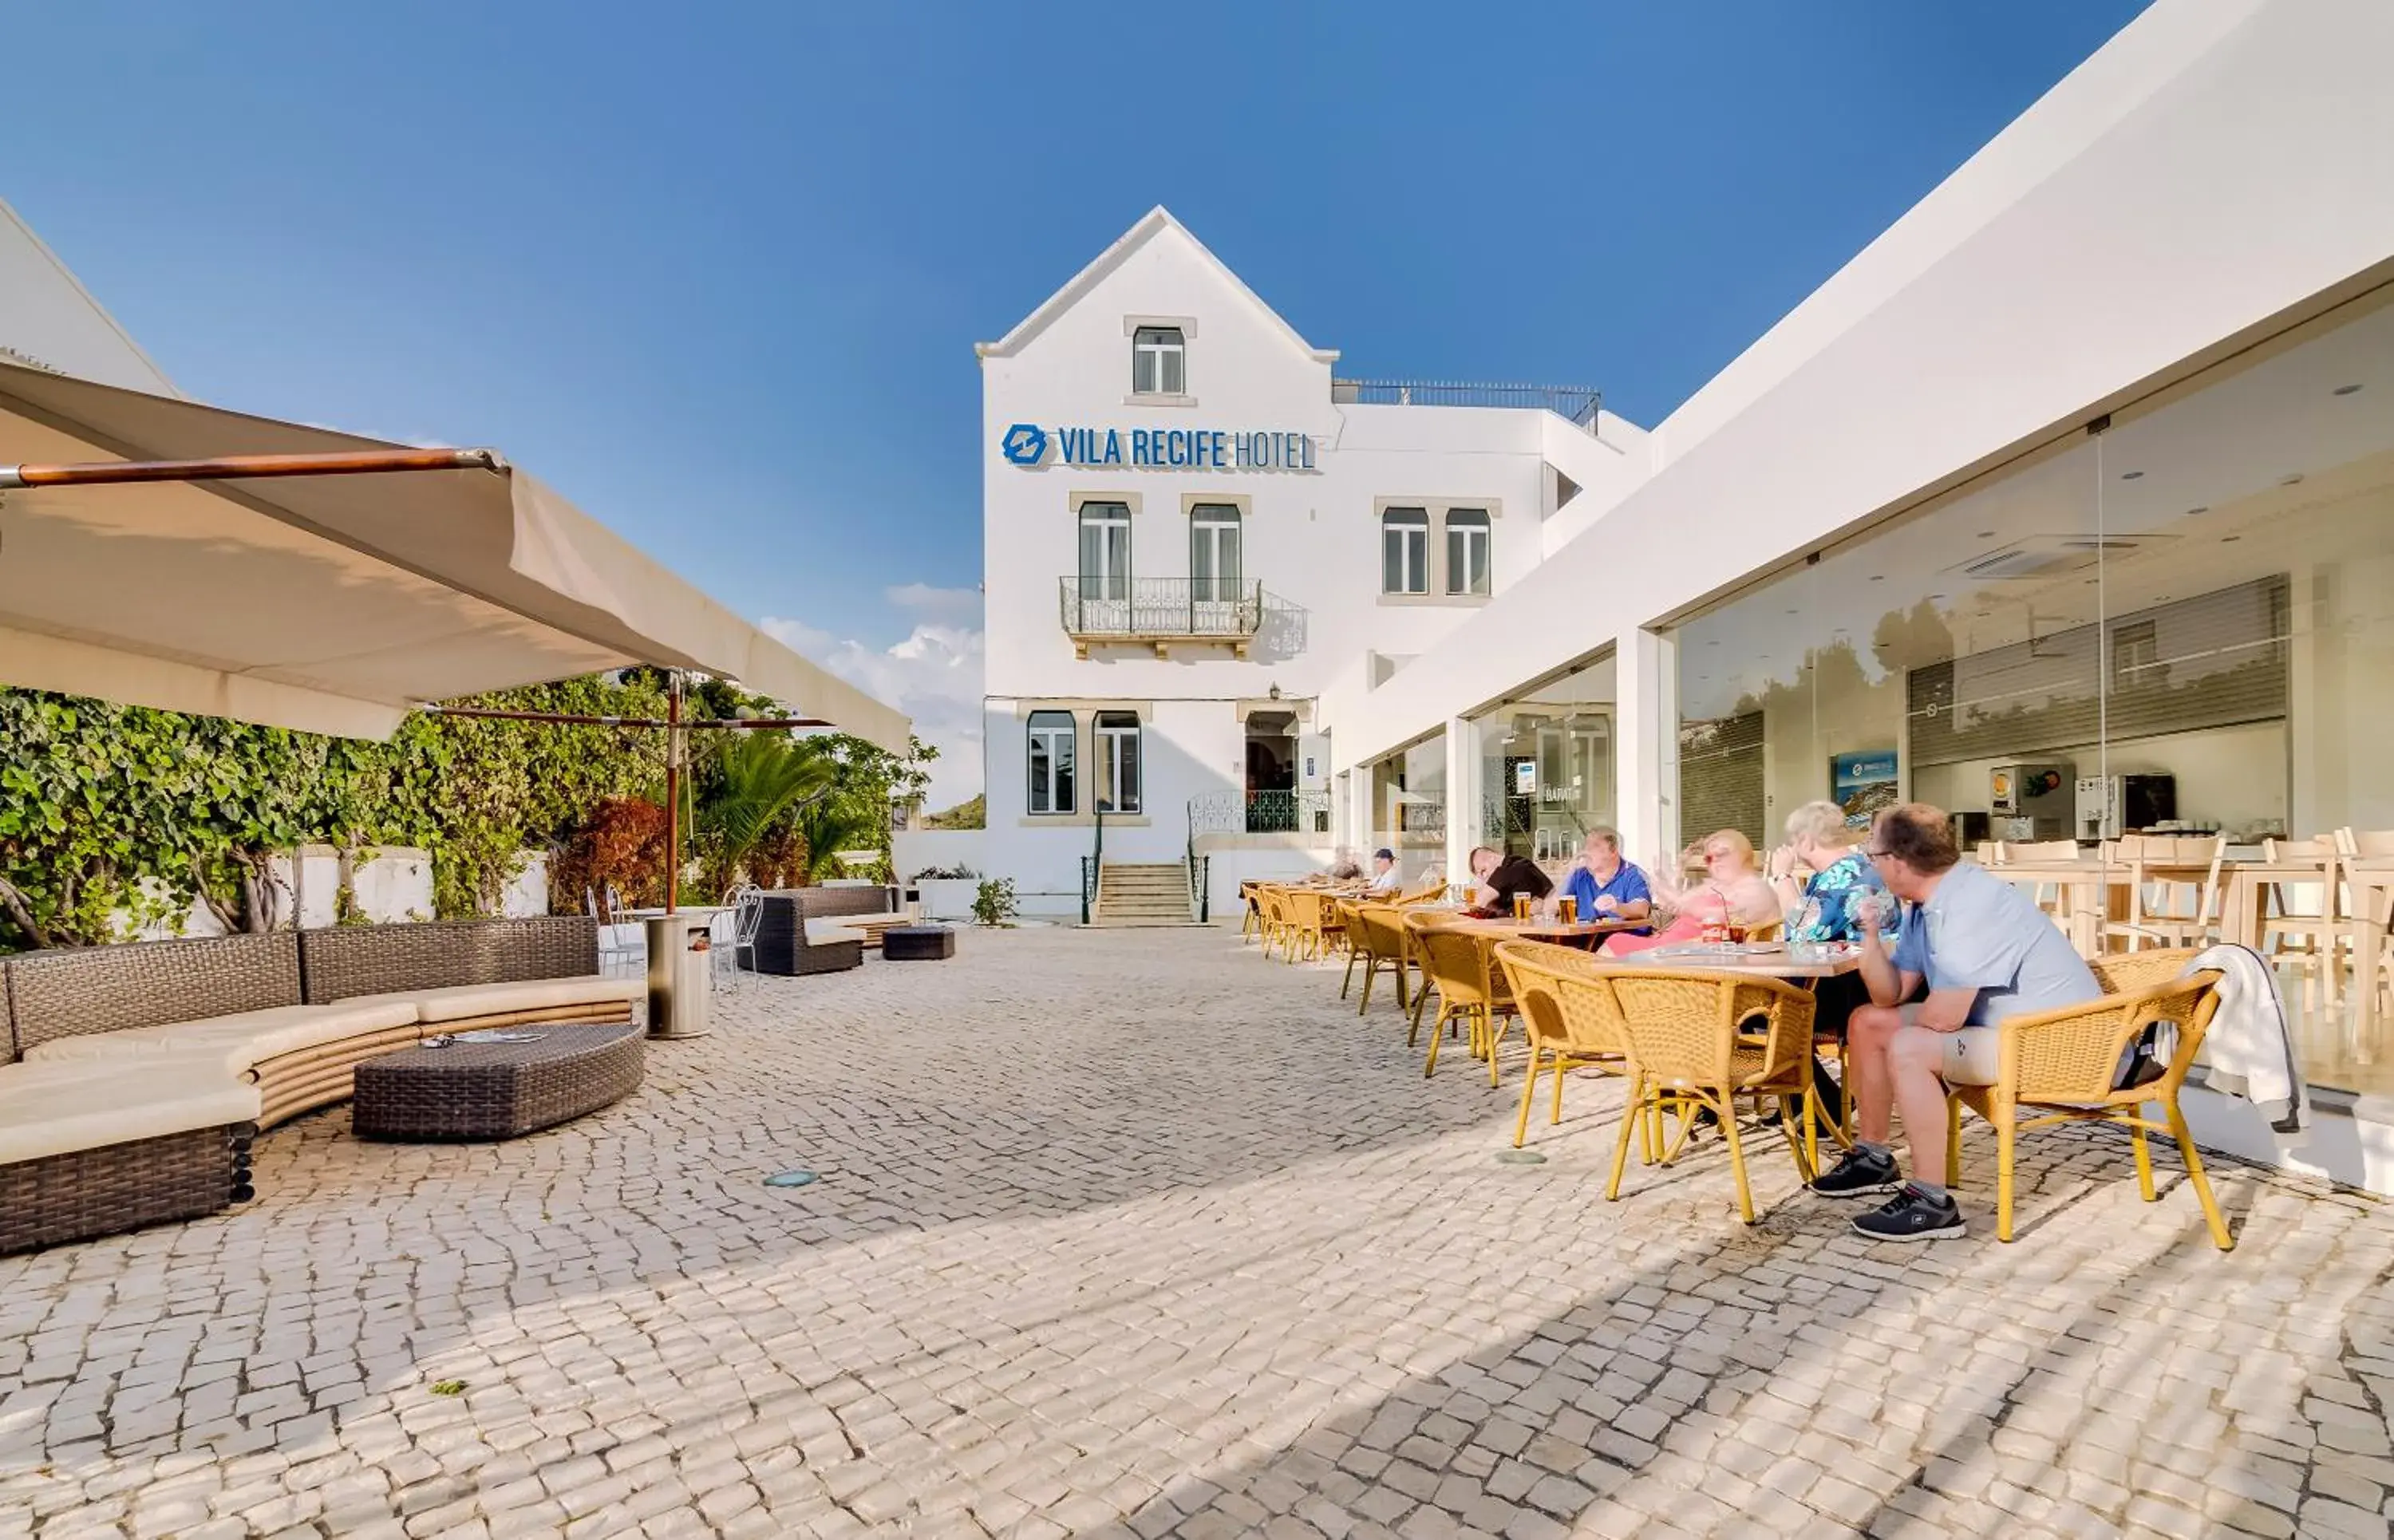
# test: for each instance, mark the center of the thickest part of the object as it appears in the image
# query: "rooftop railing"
(1575, 403)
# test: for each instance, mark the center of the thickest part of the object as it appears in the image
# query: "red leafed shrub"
(620, 845)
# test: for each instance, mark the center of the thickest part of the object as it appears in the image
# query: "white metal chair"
(620, 946)
(744, 913)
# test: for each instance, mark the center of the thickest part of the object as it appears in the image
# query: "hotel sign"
(1029, 445)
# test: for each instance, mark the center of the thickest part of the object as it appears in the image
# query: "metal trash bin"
(681, 986)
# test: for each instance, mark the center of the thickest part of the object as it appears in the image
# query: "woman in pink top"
(1732, 889)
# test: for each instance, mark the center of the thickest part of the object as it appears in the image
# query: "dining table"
(1765, 959)
(1559, 930)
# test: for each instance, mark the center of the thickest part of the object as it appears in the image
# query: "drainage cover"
(1520, 1157)
(790, 1179)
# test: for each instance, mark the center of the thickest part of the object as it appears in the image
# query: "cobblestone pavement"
(1132, 1233)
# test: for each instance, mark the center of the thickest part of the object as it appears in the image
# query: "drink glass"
(1521, 906)
(1570, 902)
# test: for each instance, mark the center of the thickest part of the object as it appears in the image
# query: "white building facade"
(1193, 527)
(2083, 471)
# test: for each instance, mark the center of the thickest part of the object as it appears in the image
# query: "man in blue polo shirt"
(1606, 887)
(1985, 953)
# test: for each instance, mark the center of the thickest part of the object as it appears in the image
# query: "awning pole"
(673, 791)
(231, 467)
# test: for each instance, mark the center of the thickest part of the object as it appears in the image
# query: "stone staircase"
(1142, 893)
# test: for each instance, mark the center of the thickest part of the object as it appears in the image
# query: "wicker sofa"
(800, 929)
(136, 1074)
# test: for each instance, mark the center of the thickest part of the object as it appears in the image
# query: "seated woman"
(1732, 890)
(1820, 908)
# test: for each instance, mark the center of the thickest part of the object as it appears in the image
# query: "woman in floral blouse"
(1819, 909)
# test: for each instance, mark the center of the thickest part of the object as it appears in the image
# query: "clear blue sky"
(716, 271)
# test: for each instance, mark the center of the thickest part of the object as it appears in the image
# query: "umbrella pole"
(673, 790)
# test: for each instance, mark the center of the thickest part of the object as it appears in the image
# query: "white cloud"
(934, 676)
(956, 605)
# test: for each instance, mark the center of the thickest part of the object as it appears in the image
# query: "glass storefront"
(2182, 621)
(1409, 805)
(1545, 763)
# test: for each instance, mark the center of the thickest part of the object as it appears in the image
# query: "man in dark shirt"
(1502, 876)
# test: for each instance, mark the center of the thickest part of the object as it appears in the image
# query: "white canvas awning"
(332, 604)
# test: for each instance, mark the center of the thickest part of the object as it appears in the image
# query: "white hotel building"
(2083, 468)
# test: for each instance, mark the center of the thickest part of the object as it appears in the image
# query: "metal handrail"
(1575, 403)
(1159, 607)
(1092, 865)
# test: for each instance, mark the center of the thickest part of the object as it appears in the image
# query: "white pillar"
(1462, 799)
(1646, 736)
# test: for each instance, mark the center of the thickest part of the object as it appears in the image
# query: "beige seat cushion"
(239, 1041)
(52, 1109)
(841, 928)
(462, 1002)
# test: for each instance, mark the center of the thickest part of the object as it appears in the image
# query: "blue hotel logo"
(1027, 444)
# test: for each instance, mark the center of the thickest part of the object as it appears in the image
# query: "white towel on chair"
(2250, 1048)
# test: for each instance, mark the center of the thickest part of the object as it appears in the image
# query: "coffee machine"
(2111, 806)
(2033, 801)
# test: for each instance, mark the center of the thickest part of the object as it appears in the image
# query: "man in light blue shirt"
(1984, 953)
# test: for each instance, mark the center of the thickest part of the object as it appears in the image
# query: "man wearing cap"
(1386, 881)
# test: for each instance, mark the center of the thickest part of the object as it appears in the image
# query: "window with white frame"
(1105, 550)
(1466, 550)
(1404, 551)
(1051, 762)
(1214, 569)
(1159, 362)
(1117, 750)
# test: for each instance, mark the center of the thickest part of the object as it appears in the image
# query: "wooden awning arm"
(231, 467)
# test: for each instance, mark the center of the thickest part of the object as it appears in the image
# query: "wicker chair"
(1376, 939)
(1271, 915)
(1703, 1039)
(1570, 1016)
(1310, 932)
(1472, 989)
(1251, 905)
(1426, 892)
(2062, 1064)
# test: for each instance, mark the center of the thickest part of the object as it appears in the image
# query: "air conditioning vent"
(2046, 556)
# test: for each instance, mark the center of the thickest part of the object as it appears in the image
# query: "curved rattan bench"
(218, 1037)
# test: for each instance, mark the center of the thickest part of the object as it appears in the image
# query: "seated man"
(1386, 881)
(1986, 953)
(1606, 887)
(1502, 876)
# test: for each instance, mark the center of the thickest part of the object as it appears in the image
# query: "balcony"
(1161, 613)
(1577, 404)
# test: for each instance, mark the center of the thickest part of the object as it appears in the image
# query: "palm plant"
(760, 778)
(826, 828)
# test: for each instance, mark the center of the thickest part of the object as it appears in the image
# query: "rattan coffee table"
(470, 1089)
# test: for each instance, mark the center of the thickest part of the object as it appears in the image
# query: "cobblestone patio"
(1132, 1233)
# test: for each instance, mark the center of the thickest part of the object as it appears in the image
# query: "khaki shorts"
(1970, 1057)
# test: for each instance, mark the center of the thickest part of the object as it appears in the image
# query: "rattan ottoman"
(489, 1090)
(915, 943)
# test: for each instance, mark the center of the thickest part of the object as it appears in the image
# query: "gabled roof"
(1156, 222)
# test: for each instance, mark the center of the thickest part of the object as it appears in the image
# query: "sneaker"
(1911, 1214)
(1859, 1173)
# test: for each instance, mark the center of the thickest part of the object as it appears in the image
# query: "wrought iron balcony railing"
(1161, 613)
(1259, 812)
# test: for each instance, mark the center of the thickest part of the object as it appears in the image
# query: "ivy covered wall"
(95, 797)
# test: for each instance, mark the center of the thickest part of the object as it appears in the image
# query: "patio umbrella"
(329, 596)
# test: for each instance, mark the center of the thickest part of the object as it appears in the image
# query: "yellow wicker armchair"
(1570, 1016)
(1470, 989)
(1311, 928)
(1250, 922)
(1376, 939)
(1426, 892)
(2059, 1065)
(1279, 925)
(1707, 1039)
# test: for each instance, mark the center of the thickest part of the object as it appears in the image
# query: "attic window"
(1159, 362)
